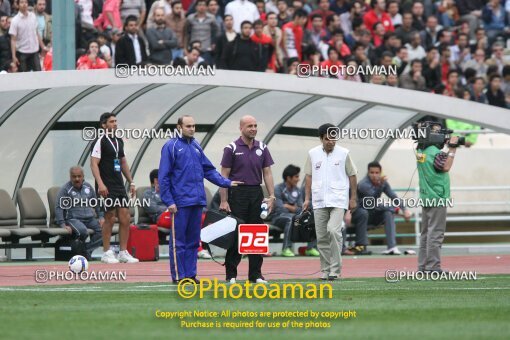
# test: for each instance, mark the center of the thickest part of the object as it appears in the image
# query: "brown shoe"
(361, 250)
(348, 252)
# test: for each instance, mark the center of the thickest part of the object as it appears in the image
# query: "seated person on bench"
(289, 203)
(373, 186)
(77, 219)
(157, 208)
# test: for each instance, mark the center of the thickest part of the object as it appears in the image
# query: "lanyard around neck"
(113, 146)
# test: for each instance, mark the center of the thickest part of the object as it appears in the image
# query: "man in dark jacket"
(130, 49)
(470, 11)
(5, 42)
(161, 39)
(223, 40)
(156, 207)
(265, 45)
(242, 54)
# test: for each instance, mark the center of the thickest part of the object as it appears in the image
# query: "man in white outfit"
(330, 173)
(242, 10)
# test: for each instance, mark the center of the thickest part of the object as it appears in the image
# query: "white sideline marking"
(100, 289)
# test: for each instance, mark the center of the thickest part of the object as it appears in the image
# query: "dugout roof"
(42, 116)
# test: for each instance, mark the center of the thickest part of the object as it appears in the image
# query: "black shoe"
(332, 278)
(361, 250)
(194, 279)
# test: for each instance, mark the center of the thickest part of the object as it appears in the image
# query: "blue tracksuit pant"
(184, 242)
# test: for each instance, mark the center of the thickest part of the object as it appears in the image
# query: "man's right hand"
(102, 190)
(348, 217)
(172, 208)
(15, 60)
(224, 206)
(68, 228)
(306, 204)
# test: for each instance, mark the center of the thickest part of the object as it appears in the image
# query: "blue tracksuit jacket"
(182, 169)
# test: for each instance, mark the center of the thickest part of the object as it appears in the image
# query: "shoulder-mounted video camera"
(432, 133)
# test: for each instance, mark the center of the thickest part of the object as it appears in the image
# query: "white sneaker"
(204, 254)
(232, 281)
(324, 276)
(125, 257)
(259, 280)
(392, 251)
(109, 257)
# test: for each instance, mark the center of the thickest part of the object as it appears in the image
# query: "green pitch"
(404, 310)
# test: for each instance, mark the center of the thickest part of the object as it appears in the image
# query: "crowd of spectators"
(456, 48)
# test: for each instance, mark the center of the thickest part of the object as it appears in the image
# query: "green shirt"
(434, 185)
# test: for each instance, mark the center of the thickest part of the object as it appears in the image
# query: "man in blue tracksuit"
(182, 169)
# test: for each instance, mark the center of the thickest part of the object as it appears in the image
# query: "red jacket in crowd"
(371, 19)
(84, 63)
(298, 33)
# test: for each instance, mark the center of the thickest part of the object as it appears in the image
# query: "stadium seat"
(142, 216)
(52, 200)
(33, 214)
(4, 233)
(9, 229)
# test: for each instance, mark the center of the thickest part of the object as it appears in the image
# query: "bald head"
(247, 119)
(248, 127)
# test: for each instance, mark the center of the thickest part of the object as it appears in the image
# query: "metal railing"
(465, 217)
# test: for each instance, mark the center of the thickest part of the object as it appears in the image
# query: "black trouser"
(29, 61)
(245, 204)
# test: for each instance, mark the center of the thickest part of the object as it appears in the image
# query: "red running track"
(273, 268)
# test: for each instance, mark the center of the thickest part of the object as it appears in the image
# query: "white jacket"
(330, 183)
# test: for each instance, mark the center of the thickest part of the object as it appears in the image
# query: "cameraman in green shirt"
(433, 167)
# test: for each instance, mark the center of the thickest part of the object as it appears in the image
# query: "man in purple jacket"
(182, 169)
